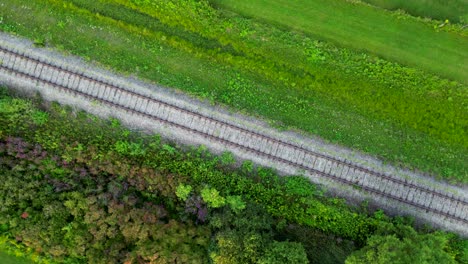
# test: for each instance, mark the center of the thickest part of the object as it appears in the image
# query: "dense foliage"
(400, 244)
(84, 205)
(69, 211)
(345, 96)
(79, 189)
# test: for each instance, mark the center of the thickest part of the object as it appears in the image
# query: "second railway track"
(66, 79)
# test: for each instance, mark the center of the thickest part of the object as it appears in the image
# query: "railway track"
(66, 79)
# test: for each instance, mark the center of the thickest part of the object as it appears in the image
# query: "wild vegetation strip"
(82, 189)
(454, 10)
(365, 28)
(346, 97)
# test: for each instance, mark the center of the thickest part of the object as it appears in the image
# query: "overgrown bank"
(400, 114)
(74, 186)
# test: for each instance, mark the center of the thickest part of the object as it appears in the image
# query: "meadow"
(404, 115)
(365, 28)
(454, 10)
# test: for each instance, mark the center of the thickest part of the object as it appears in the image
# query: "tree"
(413, 248)
(284, 252)
(247, 236)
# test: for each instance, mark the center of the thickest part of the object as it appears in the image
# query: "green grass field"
(454, 10)
(291, 80)
(8, 259)
(364, 28)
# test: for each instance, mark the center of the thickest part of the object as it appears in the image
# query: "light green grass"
(126, 48)
(8, 259)
(365, 28)
(454, 10)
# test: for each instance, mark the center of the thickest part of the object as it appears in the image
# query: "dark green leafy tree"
(407, 249)
(247, 236)
(284, 252)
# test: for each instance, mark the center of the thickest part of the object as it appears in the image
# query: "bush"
(428, 249)
(401, 244)
(284, 252)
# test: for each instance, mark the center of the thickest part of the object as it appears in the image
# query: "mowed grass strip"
(454, 10)
(152, 55)
(9, 259)
(365, 28)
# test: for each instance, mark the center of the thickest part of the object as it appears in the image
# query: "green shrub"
(235, 203)
(413, 248)
(212, 197)
(284, 252)
(40, 117)
(183, 191)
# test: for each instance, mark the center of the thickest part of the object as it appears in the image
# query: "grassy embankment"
(400, 114)
(454, 10)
